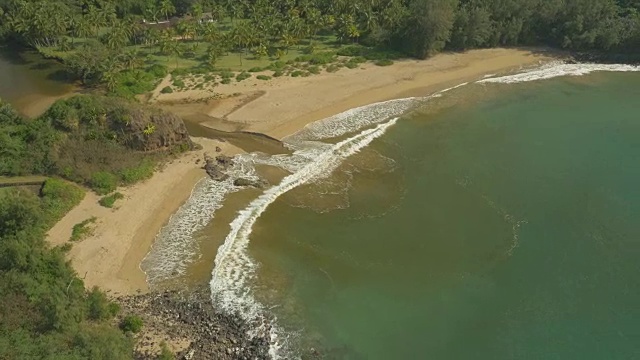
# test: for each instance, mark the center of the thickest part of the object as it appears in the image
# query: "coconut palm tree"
(152, 13)
(242, 38)
(167, 9)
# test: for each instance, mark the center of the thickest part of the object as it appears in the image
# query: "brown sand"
(111, 256)
(281, 106)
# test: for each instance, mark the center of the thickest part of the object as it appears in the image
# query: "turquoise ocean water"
(504, 225)
(496, 220)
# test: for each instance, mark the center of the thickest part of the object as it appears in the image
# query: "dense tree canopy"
(418, 27)
(45, 311)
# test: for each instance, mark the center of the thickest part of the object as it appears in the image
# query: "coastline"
(122, 237)
(282, 106)
(110, 258)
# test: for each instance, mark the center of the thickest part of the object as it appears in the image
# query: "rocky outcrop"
(216, 167)
(192, 319)
(152, 129)
(258, 183)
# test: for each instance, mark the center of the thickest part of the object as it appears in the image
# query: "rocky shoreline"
(190, 327)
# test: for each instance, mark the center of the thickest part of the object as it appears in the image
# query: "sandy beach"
(281, 106)
(110, 258)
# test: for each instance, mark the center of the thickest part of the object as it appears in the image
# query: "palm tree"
(209, 32)
(95, 18)
(176, 50)
(152, 12)
(108, 73)
(119, 36)
(242, 37)
(167, 9)
(130, 60)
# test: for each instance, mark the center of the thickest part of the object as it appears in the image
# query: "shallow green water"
(508, 228)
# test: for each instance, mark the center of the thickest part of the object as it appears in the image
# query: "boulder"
(259, 183)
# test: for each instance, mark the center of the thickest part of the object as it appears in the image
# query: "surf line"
(233, 267)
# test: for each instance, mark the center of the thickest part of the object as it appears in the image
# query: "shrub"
(103, 182)
(255, 69)
(225, 81)
(157, 70)
(209, 78)
(82, 230)
(58, 197)
(66, 247)
(100, 308)
(165, 352)
(132, 323)
(141, 172)
(277, 65)
(133, 82)
(315, 69)
(358, 59)
(178, 83)
(226, 74)
(166, 90)
(351, 65)
(296, 73)
(320, 58)
(278, 73)
(180, 72)
(109, 201)
(333, 68)
(263, 77)
(243, 76)
(384, 62)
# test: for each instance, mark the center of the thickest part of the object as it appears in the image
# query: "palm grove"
(111, 42)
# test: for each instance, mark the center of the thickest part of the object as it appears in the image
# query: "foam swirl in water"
(175, 246)
(557, 69)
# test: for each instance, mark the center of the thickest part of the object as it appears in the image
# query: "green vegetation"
(45, 311)
(243, 76)
(58, 197)
(103, 182)
(166, 90)
(384, 62)
(108, 44)
(165, 352)
(131, 323)
(109, 201)
(100, 142)
(83, 229)
(263, 77)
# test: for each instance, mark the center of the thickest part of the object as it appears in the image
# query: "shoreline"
(110, 258)
(122, 237)
(282, 106)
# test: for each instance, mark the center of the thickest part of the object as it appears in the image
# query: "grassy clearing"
(83, 230)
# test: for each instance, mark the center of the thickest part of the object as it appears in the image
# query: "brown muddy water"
(29, 82)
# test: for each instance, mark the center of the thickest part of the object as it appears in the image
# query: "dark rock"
(152, 129)
(259, 183)
(192, 316)
(224, 161)
(218, 149)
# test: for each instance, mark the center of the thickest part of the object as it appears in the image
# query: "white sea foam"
(557, 69)
(234, 268)
(349, 121)
(175, 246)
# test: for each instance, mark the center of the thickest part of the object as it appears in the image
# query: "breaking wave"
(556, 69)
(175, 246)
(233, 266)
